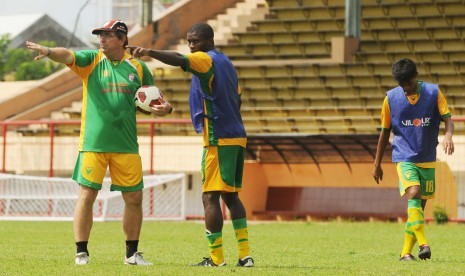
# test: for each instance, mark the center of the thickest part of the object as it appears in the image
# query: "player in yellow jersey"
(214, 102)
(413, 111)
(108, 136)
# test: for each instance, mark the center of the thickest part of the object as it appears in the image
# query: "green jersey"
(108, 122)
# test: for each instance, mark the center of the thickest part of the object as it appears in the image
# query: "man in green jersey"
(108, 136)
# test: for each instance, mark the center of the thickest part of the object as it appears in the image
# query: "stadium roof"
(36, 27)
(315, 149)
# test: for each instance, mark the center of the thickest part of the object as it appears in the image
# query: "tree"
(4, 42)
(32, 70)
(20, 62)
(16, 56)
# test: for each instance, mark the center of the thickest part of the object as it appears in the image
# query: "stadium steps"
(174, 82)
(55, 91)
(236, 19)
(283, 55)
(288, 90)
(47, 90)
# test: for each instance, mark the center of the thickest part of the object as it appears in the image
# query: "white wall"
(32, 153)
(456, 163)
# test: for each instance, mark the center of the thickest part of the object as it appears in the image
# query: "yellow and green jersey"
(108, 122)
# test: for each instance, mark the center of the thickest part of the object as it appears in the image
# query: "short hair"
(404, 70)
(120, 36)
(203, 30)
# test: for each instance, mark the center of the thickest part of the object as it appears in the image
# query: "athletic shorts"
(411, 175)
(125, 170)
(222, 168)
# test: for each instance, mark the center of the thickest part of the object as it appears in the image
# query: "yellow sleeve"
(199, 63)
(385, 115)
(442, 105)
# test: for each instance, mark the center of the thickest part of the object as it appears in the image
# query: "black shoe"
(407, 258)
(208, 262)
(425, 252)
(246, 262)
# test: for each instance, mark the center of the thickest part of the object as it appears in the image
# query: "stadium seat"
(305, 3)
(309, 12)
(429, 32)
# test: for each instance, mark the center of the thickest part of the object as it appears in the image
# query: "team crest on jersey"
(131, 77)
(105, 73)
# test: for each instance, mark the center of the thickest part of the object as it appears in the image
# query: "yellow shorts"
(410, 174)
(222, 168)
(125, 170)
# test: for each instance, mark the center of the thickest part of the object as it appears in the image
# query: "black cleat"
(425, 252)
(407, 258)
(246, 262)
(208, 262)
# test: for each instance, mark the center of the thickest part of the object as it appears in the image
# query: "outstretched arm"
(382, 143)
(168, 57)
(61, 55)
(448, 144)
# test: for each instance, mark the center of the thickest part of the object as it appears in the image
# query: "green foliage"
(32, 70)
(17, 56)
(440, 214)
(4, 42)
(21, 63)
(284, 248)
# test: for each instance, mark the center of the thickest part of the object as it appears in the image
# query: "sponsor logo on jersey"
(131, 77)
(418, 122)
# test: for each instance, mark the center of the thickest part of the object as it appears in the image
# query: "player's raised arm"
(168, 57)
(57, 54)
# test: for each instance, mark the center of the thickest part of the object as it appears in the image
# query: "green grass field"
(294, 248)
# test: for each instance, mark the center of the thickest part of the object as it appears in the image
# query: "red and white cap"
(113, 25)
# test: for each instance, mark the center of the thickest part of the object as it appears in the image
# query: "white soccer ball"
(146, 97)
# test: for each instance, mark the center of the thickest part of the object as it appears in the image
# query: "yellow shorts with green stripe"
(222, 168)
(411, 174)
(125, 170)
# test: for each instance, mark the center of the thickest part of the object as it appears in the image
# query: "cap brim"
(97, 31)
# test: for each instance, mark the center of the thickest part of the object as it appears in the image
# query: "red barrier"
(52, 126)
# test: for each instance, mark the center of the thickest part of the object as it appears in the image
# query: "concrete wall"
(258, 177)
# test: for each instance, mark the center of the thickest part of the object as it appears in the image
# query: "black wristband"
(49, 51)
(171, 110)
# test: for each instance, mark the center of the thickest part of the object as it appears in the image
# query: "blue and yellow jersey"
(108, 122)
(414, 118)
(386, 113)
(214, 99)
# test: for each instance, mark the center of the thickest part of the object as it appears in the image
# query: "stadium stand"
(428, 31)
(300, 75)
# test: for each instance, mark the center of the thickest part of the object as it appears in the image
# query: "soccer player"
(413, 111)
(215, 102)
(108, 136)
